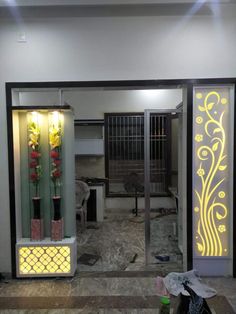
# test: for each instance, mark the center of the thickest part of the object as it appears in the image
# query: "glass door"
(160, 201)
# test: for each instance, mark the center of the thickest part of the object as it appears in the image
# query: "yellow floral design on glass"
(201, 172)
(199, 120)
(204, 153)
(221, 194)
(199, 138)
(222, 228)
(199, 95)
(224, 101)
(196, 209)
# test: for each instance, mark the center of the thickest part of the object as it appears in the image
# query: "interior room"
(109, 158)
(117, 164)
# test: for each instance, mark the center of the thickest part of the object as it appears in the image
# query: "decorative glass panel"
(44, 260)
(211, 170)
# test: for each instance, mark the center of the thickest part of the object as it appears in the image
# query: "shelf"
(43, 108)
(45, 241)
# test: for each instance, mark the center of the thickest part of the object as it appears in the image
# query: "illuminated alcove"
(44, 257)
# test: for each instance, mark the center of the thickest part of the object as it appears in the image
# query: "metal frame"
(122, 84)
(147, 194)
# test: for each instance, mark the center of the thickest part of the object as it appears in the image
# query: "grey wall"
(108, 48)
(89, 166)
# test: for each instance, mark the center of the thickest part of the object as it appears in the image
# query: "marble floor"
(119, 242)
(99, 293)
(118, 282)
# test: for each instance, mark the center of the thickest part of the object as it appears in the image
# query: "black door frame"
(124, 84)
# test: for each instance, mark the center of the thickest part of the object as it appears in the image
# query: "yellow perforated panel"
(44, 260)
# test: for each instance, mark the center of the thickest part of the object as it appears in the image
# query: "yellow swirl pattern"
(211, 158)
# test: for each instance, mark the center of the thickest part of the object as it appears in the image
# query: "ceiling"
(102, 2)
(26, 9)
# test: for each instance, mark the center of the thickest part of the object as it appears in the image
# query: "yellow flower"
(54, 137)
(199, 95)
(198, 137)
(196, 209)
(201, 172)
(34, 134)
(33, 140)
(34, 128)
(221, 194)
(199, 120)
(224, 101)
(222, 228)
(54, 140)
(53, 130)
(204, 153)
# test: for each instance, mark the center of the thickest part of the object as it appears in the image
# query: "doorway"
(12, 93)
(120, 237)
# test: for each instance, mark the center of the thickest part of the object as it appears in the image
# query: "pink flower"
(56, 174)
(33, 164)
(54, 154)
(34, 177)
(57, 162)
(34, 154)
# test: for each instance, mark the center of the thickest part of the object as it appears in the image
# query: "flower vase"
(57, 224)
(56, 207)
(36, 221)
(36, 207)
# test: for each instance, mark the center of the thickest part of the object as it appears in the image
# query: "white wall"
(118, 48)
(92, 104)
(108, 48)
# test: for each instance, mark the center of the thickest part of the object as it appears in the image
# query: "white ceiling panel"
(101, 2)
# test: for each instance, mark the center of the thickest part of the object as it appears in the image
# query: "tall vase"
(56, 207)
(57, 224)
(36, 207)
(36, 221)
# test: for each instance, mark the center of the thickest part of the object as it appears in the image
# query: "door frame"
(123, 84)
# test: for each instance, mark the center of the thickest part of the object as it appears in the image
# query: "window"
(124, 151)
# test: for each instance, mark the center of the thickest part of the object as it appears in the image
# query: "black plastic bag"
(192, 304)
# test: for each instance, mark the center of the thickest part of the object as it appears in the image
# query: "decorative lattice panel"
(211, 170)
(37, 260)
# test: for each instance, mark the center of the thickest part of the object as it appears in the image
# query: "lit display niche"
(43, 150)
(211, 171)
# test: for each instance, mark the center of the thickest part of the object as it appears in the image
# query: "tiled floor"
(99, 294)
(114, 284)
(119, 242)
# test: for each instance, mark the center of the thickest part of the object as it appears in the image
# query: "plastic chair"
(82, 193)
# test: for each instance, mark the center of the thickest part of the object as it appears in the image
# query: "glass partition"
(212, 181)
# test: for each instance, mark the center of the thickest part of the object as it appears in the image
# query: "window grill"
(124, 152)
